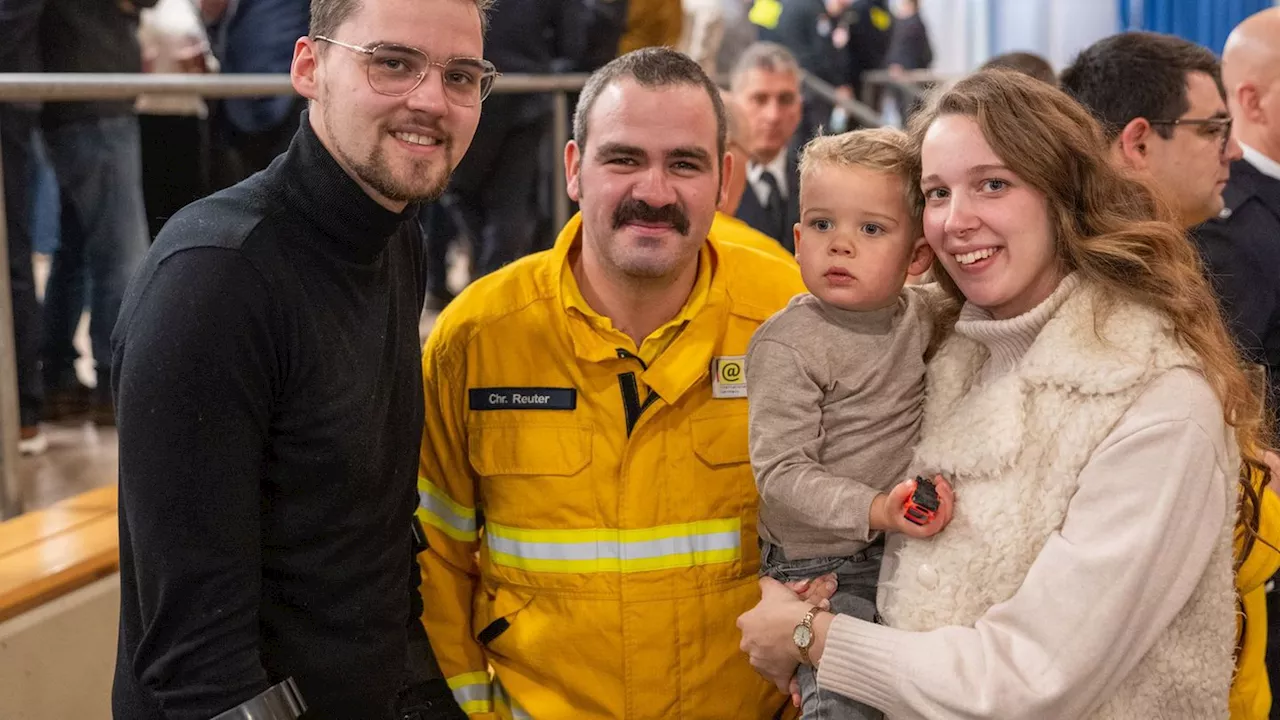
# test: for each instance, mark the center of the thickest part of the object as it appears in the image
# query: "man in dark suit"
(766, 85)
(1241, 246)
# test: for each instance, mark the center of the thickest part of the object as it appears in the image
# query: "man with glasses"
(1241, 248)
(1242, 244)
(269, 395)
(1161, 104)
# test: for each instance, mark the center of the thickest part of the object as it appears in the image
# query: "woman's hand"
(887, 510)
(767, 629)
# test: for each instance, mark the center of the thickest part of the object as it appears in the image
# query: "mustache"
(633, 210)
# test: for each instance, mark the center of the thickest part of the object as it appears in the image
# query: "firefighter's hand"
(767, 629)
(815, 591)
(887, 510)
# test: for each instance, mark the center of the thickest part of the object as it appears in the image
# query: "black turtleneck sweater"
(268, 393)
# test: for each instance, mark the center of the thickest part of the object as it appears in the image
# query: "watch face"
(802, 636)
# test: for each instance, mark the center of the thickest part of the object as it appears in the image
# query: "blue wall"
(1207, 22)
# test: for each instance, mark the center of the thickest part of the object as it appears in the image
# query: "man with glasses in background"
(269, 395)
(1161, 104)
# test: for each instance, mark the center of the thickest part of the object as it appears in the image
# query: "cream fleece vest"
(1014, 450)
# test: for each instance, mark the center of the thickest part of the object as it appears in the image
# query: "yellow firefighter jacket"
(1251, 690)
(589, 505)
(730, 229)
(652, 23)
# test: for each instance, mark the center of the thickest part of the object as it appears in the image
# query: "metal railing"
(914, 84)
(62, 87)
(863, 113)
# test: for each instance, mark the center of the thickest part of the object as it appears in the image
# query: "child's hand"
(815, 591)
(887, 510)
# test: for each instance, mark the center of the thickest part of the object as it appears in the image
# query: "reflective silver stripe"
(438, 508)
(471, 693)
(615, 550)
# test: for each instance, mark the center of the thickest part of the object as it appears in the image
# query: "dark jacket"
(805, 29)
(1241, 250)
(90, 36)
(602, 24)
(754, 214)
(257, 36)
(870, 27)
(19, 36)
(534, 37)
(909, 45)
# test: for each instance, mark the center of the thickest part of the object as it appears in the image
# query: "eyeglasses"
(1220, 126)
(398, 70)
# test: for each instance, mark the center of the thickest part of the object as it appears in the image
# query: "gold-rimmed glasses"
(398, 70)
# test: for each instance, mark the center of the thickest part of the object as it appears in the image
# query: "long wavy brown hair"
(1114, 232)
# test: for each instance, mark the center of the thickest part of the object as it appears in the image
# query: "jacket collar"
(1248, 181)
(688, 356)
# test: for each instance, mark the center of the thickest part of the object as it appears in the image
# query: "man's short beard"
(376, 174)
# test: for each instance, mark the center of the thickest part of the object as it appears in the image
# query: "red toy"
(922, 506)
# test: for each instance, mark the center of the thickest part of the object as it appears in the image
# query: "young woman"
(1091, 414)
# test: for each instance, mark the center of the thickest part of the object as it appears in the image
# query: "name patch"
(523, 398)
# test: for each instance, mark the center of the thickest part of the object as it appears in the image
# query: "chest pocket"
(529, 450)
(721, 441)
(531, 466)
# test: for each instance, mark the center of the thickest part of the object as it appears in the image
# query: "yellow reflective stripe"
(472, 678)
(442, 512)
(506, 702)
(475, 707)
(472, 691)
(666, 547)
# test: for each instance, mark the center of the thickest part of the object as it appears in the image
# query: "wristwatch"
(803, 634)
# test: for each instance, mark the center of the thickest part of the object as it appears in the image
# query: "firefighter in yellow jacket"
(585, 485)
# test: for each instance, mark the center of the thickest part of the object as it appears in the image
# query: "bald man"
(726, 226)
(1242, 245)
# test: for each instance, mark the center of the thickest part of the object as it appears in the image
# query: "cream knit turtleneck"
(1008, 340)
